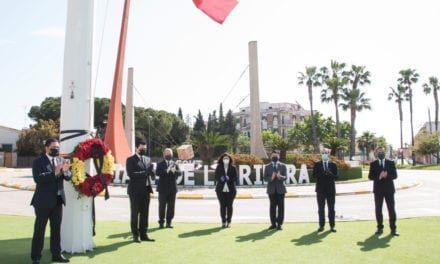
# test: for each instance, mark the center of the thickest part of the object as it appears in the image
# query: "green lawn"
(243, 243)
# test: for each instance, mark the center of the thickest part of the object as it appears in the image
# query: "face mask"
(142, 152)
(54, 152)
(381, 156)
(225, 161)
(168, 157)
(324, 157)
(275, 159)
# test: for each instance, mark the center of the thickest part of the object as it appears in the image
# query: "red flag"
(218, 10)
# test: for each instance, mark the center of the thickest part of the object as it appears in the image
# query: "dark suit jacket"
(48, 184)
(167, 180)
(325, 181)
(276, 185)
(232, 174)
(138, 171)
(385, 185)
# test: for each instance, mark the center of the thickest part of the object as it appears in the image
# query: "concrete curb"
(199, 196)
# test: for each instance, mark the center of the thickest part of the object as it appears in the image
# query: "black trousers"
(54, 215)
(321, 197)
(139, 205)
(167, 202)
(389, 200)
(226, 200)
(276, 202)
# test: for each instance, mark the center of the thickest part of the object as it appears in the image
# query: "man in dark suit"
(49, 170)
(139, 170)
(167, 170)
(275, 176)
(325, 172)
(383, 172)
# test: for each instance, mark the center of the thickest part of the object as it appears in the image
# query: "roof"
(10, 128)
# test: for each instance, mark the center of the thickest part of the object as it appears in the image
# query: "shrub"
(310, 159)
(246, 159)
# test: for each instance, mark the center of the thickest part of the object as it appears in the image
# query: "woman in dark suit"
(225, 177)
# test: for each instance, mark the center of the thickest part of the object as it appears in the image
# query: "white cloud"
(49, 32)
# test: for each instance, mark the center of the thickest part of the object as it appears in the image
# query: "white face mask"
(225, 161)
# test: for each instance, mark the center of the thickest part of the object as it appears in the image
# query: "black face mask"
(54, 152)
(168, 157)
(142, 152)
(381, 156)
(275, 159)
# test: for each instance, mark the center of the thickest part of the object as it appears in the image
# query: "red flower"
(84, 150)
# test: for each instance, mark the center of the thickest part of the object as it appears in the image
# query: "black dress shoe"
(379, 232)
(228, 224)
(320, 229)
(147, 239)
(272, 227)
(279, 227)
(169, 226)
(136, 240)
(160, 226)
(36, 261)
(60, 259)
(333, 230)
(224, 225)
(394, 233)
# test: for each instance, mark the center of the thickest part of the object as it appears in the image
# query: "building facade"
(278, 117)
(8, 138)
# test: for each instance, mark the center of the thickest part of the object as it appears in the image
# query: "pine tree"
(179, 114)
(199, 125)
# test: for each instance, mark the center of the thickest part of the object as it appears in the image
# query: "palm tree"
(399, 97)
(433, 87)
(336, 144)
(207, 142)
(334, 82)
(311, 79)
(354, 99)
(407, 78)
(368, 142)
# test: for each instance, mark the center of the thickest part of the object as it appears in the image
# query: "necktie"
(326, 165)
(53, 164)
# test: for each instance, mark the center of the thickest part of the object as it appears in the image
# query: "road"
(423, 200)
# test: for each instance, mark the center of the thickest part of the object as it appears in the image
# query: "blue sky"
(182, 58)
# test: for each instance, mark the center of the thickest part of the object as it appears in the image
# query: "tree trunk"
(352, 133)
(436, 117)
(413, 155)
(283, 155)
(401, 128)
(314, 136)
(338, 129)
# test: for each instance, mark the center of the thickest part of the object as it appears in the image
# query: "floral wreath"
(103, 161)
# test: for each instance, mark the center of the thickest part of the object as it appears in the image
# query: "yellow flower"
(109, 164)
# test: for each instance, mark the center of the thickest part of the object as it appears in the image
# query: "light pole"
(149, 135)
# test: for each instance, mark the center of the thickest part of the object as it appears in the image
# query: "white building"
(278, 117)
(8, 138)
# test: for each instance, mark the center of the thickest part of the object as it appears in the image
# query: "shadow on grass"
(311, 238)
(198, 233)
(256, 236)
(126, 235)
(19, 251)
(375, 242)
(100, 250)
